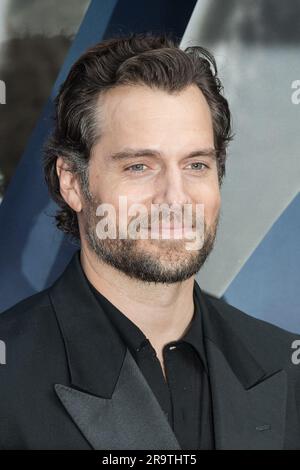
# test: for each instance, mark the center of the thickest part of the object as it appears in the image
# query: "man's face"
(170, 127)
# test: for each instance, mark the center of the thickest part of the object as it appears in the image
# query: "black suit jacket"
(69, 382)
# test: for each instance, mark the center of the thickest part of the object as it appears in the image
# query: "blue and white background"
(255, 265)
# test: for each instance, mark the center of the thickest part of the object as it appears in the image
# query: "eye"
(198, 166)
(136, 168)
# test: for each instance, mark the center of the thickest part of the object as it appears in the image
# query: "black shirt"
(185, 396)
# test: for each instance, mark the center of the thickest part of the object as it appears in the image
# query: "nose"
(170, 189)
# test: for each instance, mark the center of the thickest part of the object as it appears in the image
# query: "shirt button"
(172, 347)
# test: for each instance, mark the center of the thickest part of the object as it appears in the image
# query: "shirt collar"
(135, 339)
(194, 334)
(130, 332)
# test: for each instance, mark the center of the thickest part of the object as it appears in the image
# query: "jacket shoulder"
(239, 318)
(23, 310)
(32, 340)
(268, 343)
(28, 324)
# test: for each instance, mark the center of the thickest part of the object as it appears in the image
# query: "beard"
(165, 261)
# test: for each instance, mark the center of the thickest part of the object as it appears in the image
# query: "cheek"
(104, 188)
(214, 207)
(211, 199)
(135, 194)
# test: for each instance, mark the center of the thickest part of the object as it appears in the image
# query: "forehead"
(144, 113)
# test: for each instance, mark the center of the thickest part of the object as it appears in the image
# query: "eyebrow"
(131, 153)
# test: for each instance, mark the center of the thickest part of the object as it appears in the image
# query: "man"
(124, 350)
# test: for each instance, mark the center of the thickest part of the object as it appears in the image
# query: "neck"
(161, 311)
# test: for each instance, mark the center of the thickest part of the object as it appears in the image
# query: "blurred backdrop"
(256, 261)
(35, 36)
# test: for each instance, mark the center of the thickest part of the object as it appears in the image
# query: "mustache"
(165, 215)
(165, 218)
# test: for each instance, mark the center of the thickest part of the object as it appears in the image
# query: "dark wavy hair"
(153, 60)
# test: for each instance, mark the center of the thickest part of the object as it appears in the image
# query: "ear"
(69, 186)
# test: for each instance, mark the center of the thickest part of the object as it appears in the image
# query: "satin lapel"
(107, 395)
(249, 401)
(131, 419)
(251, 418)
